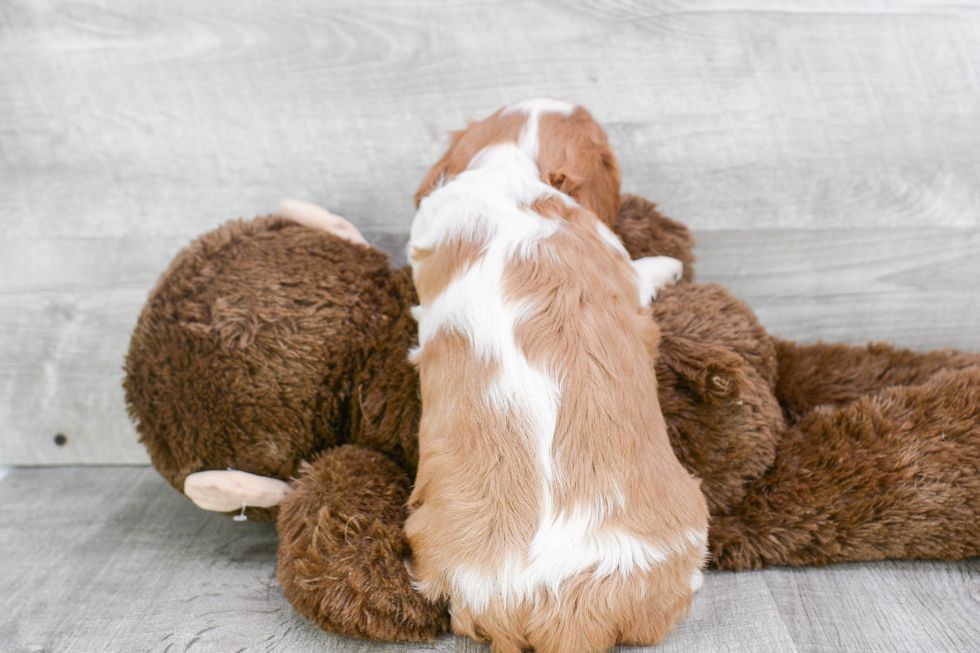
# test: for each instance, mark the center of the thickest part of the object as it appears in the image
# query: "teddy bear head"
(264, 343)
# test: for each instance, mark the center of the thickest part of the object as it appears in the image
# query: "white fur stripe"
(534, 109)
(567, 548)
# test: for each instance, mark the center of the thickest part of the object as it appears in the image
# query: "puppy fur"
(548, 508)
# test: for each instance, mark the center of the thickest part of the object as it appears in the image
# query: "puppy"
(548, 507)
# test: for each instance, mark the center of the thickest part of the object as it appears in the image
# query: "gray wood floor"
(112, 559)
(826, 152)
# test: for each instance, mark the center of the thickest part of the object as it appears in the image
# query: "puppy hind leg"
(503, 630)
(582, 623)
(649, 627)
(507, 645)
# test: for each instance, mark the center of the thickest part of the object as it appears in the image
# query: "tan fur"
(435, 272)
(612, 431)
(478, 494)
(475, 493)
(575, 158)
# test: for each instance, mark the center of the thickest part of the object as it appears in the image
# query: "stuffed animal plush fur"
(280, 350)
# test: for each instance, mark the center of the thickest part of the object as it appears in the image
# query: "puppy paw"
(656, 272)
(697, 581)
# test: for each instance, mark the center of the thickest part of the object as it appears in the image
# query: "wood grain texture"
(826, 153)
(113, 559)
(917, 287)
(865, 607)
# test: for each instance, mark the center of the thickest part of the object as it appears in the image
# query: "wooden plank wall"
(827, 153)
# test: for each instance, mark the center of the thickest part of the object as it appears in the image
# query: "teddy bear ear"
(316, 217)
(715, 374)
(227, 490)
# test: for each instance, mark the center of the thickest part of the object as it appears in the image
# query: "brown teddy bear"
(280, 351)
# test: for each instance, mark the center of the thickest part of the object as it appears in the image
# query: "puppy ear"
(605, 198)
(562, 181)
(591, 180)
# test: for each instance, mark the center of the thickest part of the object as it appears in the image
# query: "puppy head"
(569, 147)
(574, 157)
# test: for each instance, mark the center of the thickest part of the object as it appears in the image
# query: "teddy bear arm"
(714, 387)
(893, 475)
(644, 231)
(724, 431)
(837, 374)
(342, 549)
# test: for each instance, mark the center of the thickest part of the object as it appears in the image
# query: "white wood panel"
(61, 372)
(127, 128)
(917, 287)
